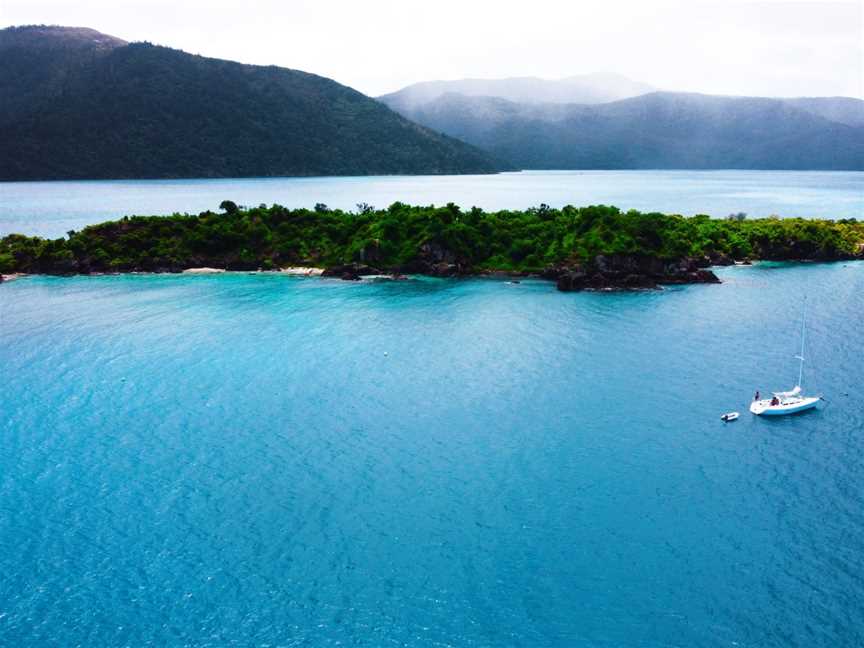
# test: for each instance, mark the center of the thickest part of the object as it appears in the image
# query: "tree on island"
(229, 207)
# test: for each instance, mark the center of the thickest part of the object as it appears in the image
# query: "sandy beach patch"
(300, 271)
(201, 271)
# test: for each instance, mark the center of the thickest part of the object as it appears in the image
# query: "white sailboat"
(788, 402)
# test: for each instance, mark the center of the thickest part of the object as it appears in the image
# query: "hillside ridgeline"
(78, 104)
(595, 247)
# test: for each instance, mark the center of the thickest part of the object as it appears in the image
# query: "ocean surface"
(258, 460)
(53, 208)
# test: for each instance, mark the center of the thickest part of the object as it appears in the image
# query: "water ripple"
(256, 460)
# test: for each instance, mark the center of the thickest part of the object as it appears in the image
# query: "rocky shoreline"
(612, 272)
(633, 272)
(603, 273)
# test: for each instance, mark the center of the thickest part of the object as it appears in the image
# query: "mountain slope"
(656, 130)
(35, 61)
(586, 89)
(844, 110)
(85, 105)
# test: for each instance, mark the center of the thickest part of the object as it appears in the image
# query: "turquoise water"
(255, 460)
(53, 208)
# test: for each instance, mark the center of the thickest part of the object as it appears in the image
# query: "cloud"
(734, 47)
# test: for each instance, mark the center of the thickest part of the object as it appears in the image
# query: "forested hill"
(659, 130)
(80, 104)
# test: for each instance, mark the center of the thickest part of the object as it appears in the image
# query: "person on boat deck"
(756, 397)
(775, 401)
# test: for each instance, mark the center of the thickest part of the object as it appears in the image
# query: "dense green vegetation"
(437, 240)
(77, 104)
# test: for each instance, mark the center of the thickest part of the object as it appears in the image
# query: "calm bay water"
(53, 208)
(259, 460)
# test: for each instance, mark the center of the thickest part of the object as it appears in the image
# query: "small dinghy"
(729, 416)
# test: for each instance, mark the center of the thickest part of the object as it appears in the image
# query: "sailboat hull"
(765, 408)
(792, 401)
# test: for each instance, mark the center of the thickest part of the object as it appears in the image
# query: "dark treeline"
(433, 240)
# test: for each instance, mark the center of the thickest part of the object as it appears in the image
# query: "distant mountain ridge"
(585, 89)
(80, 104)
(652, 130)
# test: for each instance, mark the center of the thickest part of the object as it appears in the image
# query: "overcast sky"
(774, 48)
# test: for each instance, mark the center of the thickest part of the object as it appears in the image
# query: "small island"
(586, 248)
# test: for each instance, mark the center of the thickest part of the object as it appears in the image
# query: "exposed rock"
(438, 261)
(503, 274)
(370, 253)
(350, 271)
(639, 281)
(698, 276)
(552, 273)
(708, 276)
(241, 265)
(444, 269)
(572, 279)
(630, 272)
(721, 259)
(436, 253)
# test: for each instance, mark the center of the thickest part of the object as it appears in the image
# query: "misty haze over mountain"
(637, 128)
(584, 88)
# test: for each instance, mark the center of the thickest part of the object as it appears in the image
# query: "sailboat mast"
(801, 357)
